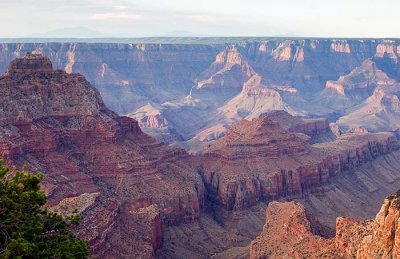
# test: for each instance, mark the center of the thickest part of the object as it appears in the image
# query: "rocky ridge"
(288, 232)
(57, 123)
(378, 112)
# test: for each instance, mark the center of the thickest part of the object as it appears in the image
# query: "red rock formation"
(288, 233)
(384, 241)
(57, 123)
(259, 160)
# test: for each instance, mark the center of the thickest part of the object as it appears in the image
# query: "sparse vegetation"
(27, 228)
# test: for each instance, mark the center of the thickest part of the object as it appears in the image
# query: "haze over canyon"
(221, 148)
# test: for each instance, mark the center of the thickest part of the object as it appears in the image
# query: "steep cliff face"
(224, 78)
(289, 233)
(299, 60)
(384, 241)
(230, 69)
(259, 160)
(57, 123)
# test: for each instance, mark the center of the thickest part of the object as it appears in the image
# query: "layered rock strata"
(259, 160)
(92, 158)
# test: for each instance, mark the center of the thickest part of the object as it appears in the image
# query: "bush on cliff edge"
(27, 228)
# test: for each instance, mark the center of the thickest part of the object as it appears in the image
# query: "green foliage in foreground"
(27, 228)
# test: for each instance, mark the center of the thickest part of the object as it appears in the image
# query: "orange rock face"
(57, 123)
(288, 233)
(384, 241)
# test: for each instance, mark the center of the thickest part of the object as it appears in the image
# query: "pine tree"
(27, 228)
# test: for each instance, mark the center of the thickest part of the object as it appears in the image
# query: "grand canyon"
(215, 148)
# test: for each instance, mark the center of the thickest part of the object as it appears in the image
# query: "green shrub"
(27, 228)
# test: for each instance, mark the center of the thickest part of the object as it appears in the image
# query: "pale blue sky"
(138, 18)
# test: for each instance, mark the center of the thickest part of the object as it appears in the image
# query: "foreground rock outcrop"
(123, 182)
(289, 233)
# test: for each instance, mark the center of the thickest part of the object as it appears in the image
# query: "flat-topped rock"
(31, 63)
(260, 136)
(318, 129)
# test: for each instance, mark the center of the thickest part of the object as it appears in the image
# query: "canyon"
(197, 90)
(312, 123)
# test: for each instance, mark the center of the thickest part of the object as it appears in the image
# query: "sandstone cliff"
(288, 233)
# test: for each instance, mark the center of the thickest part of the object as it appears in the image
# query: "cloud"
(116, 16)
(199, 18)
